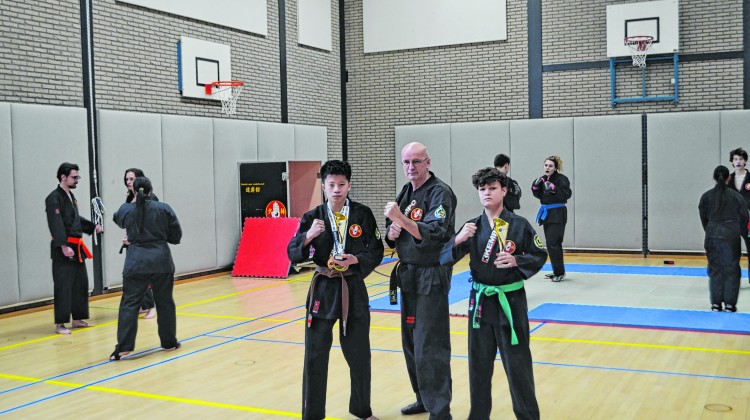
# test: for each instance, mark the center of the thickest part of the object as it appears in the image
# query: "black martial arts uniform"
(149, 261)
(553, 193)
(745, 193)
(512, 201)
(148, 298)
(490, 327)
(69, 274)
(329, 290)
(424, 283)
(723, 228)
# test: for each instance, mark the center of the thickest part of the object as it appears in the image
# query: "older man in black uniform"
(68, 251)
(419, 223)
(504, 250)
(347, 247)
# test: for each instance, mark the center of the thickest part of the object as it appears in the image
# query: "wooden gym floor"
(243, 346)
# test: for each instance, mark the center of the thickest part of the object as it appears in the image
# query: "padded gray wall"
(608, 189)
(275, 142)
(234, 141)
(436, 138)
(474, 146)
(310, 143)
(8, 253)
(43, 138)
(126, 140)
(683, 150)
(188, 167)
(531, 142)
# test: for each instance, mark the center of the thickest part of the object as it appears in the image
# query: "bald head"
(416, 163)
(416, 149)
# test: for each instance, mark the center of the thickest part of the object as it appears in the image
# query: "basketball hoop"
(227, 91)
(639, 45)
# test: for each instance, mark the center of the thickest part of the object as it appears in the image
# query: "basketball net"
(639, 45)
(228, 92)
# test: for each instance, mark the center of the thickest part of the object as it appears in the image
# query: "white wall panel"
(43, 138)
(683, 150)
(9, 283)
(126, 140)
(234, 141)
(188, 168)
(275, 142)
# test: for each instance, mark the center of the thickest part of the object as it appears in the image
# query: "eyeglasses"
(75, 177)
(414, 162)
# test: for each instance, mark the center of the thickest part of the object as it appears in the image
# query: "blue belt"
(542, 214)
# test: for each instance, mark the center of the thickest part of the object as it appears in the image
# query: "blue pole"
(612, 80)
(676, 79)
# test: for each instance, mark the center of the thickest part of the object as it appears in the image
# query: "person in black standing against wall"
(147, 306)
(739, 181)
(723, 214)
(68, 251)
(513, 198)
(348, 247)
(151, 226)
(553, 191)
(419, 223)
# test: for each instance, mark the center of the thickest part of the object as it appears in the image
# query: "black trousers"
(553, 234)
(133, 288)
(723, 270)
(356, 348)
(427, 346)
(71, 290)
(148, 300)
(494, 334)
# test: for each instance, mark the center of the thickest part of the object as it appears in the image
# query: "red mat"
(262, 250)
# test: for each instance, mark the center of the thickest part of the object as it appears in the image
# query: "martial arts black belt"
(485, 290)
(332, 274)
(393, 287)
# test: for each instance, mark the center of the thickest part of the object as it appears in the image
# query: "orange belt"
(81, 247)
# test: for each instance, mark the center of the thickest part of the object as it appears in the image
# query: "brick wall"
(474, 82)
(40, 53)
(313, 80)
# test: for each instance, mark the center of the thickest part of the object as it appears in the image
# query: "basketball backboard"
(658, 19)
(201, 63)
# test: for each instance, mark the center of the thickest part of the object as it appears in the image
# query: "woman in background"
(723, 214)
(147, 305)
(553, 191)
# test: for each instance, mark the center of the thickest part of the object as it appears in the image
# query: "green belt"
(500, 291)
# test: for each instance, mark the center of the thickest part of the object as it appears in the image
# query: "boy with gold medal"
(347, 248)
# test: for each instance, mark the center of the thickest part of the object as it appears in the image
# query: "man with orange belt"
(68, 251)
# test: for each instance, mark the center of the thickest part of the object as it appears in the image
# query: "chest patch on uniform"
(377, 234)
(355, 231)
(416, 214)
(747, 186)
(510, 247)
(538, 242)
(57, 211)
(440, 212)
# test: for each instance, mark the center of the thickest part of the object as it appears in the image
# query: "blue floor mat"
(678, 319)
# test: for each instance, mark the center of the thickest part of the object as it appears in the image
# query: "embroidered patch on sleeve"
(440, 212)
(538, 242)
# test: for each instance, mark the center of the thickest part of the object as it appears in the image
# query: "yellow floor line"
(156, 396)
(255, 289)
(50, 337)
(648, 346)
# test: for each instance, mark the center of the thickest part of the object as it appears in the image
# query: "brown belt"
(327, 272)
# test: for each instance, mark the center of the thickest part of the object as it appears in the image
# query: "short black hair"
(501, 160)
(487, 176)
(65, 169)
(738, 152)
(336, 167)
